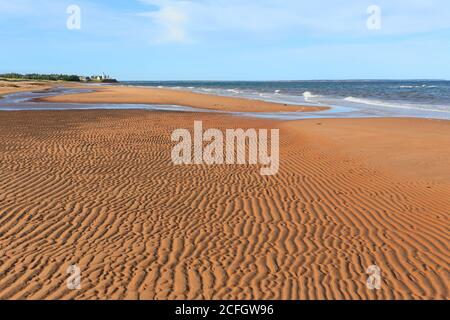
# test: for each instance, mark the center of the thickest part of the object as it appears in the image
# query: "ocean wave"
(416, 86)
(308, 96)
(386, 104)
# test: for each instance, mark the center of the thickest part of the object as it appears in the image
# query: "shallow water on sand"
(24, 101)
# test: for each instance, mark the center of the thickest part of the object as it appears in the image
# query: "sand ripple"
(99, 189)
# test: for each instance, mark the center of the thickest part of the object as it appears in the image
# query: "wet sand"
(98, 188)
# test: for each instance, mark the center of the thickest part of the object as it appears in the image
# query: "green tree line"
(37, 76)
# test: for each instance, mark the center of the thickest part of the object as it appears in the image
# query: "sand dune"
(142, 95)
(99, 189)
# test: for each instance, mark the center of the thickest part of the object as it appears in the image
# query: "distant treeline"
(36, 76)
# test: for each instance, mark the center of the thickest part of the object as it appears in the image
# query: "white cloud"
(170, 21)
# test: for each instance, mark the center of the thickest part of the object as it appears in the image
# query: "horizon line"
(297, 80)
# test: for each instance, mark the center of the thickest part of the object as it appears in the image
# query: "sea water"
(355, 98)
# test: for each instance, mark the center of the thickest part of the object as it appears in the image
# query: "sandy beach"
(8, 87)
(98, 188)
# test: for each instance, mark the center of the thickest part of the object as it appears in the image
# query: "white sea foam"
(386, 104)
(416, 86)
(308, 96)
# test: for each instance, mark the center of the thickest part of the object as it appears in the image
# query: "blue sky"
(228, 39)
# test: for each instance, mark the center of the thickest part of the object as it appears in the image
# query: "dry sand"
(98, 188)
(116, 94)
(422, 151)
(7, 87)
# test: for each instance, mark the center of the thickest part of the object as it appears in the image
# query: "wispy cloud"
(179, 20)
(169, 20)
(207, 21)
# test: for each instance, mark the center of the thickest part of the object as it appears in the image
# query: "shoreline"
(253, 107)
(241, 106)
(158, 96)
